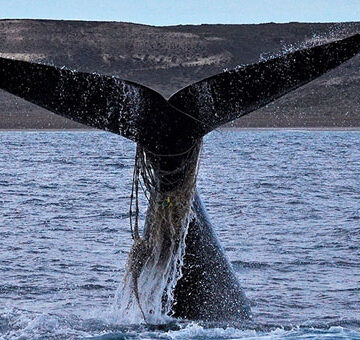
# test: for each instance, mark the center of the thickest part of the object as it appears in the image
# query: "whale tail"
(142, 115)
(230, 95)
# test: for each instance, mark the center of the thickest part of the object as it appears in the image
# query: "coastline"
(324, 128)
(47, 130)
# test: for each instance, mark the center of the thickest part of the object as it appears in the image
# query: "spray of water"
(156, 258)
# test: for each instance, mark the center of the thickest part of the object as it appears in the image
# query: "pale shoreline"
(294, 128)
(222, 128)
(48, 130)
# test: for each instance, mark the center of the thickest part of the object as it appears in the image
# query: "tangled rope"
(144, 170)
(160, 245)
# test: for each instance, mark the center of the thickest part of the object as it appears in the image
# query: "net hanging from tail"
(156, 257)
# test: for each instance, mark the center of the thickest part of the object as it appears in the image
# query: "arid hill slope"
(169, 58)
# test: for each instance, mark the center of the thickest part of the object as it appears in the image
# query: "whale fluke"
(136, 111)
(227, 96)
(119, 106)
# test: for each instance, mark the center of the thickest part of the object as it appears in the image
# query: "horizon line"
(184, 24)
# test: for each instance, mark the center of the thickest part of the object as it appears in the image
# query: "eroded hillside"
(169, 58)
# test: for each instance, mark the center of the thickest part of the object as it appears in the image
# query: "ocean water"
(285, 204)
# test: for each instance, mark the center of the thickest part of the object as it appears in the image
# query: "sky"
(174, 12)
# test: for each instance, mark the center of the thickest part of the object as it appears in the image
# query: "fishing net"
(156, 257)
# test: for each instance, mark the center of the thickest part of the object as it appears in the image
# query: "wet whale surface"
(288, 218)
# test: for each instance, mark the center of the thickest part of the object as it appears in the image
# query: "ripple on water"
(285, 204)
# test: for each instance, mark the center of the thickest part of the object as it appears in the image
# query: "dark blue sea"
(285, 204)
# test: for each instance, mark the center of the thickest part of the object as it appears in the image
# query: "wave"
(18, 324)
